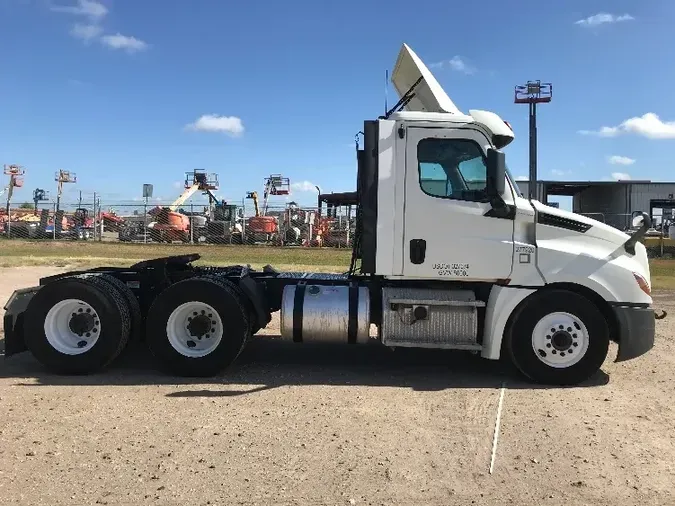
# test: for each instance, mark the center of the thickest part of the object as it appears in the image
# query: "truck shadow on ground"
(269, 363)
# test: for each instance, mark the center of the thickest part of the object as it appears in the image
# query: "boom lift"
(171, 225)
(261, 227)
(436, 263)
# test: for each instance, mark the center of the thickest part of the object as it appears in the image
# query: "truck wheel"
(77, 325)
(558, 337)
(136, 324)
(198, 326)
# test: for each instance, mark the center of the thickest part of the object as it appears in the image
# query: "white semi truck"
(447, 254)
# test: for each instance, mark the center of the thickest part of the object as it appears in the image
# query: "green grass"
(92, 254)
(663, 273)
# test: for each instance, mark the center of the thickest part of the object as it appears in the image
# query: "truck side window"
(452, 168)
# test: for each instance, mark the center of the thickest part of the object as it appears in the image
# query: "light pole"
(533, 93)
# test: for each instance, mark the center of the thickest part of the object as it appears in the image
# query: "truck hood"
(597, 229)
(573, 235)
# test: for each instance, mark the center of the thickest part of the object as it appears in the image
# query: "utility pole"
(533, 93)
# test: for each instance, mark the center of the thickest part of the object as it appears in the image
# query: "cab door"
(450, 228)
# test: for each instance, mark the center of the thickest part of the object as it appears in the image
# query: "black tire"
(109, 304)
(230, 305)
(136, 326)
(519, 341)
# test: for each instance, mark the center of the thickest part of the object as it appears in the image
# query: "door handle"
(418, 251)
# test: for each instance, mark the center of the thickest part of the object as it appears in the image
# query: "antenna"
(386, 88)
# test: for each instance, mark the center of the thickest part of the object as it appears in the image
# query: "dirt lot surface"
(336, 425)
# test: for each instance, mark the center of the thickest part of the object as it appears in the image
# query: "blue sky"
(114, 89)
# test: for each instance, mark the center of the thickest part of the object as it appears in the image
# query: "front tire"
(558, 337)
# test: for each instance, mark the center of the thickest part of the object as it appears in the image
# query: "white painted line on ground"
(495, 437)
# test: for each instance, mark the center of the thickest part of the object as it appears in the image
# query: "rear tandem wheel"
(198, 326)
(77, 324)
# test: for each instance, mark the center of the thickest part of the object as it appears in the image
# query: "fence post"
(192, 224)
(54, 222)
(100, 220)
(243, 221)
(145, 221)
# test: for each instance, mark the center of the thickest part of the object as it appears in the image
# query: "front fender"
(502, 302)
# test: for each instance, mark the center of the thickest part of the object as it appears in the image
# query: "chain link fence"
(191, 223)
(286, 225)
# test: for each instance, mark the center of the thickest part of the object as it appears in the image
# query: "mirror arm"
(500, 208)
(629, 245)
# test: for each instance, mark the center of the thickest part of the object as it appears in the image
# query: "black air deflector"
(560, 222)
(367, 193)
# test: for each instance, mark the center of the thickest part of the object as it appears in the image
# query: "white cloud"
(304, 186)
(620, 176)
(125, 42)
(648, 125)
(603, 132)
(95, 12)
(603, 18)
(230, 125)
(86, 32)
(178, 184)
(455, 63)
(522, 178)
(620, 160)
(88, 8)
(559, 172)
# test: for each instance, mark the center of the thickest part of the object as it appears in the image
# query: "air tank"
(321, 313)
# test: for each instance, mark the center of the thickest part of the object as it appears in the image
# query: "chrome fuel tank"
(321, 313)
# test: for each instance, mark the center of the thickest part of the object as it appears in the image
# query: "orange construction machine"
(263, 228)
(171, 225)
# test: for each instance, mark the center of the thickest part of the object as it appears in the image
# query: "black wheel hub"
(561, 340)
(81, 323)
(199, 325)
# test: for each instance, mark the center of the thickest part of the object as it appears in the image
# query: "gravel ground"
(336, 425)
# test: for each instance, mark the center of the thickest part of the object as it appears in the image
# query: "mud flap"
(13, 320)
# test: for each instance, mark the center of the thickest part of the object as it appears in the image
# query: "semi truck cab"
(447, 254)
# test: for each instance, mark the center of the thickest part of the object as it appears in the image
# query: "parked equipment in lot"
(442, 265)
(262, 228)
(171, 225)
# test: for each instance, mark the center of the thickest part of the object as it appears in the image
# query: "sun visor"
(428, 94)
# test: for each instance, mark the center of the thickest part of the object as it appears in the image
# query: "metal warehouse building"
(612, 202)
